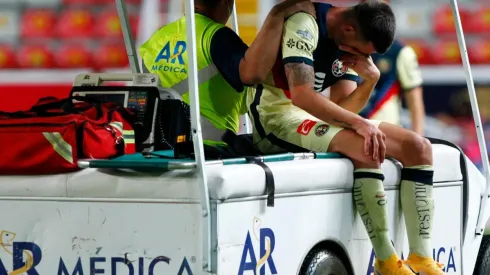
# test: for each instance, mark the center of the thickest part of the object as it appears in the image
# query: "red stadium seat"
(479, 52)
(7, 57)
(110, 55)
(443, 22)
(38, 23)
(480, 22)
(422, 50)
(73, 56)
(76, 23)
(35, 56)
(108, 24)
(446, 52)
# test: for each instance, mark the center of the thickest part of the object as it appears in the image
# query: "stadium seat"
(480, 22)
(35, 56)
(479, 52)
(73, 56)
(422, 50)
(38, 23)
(443, 20)
(76, 23)
(108, 24)
(9, 24)
(110, 55)
(7, 57)
(247, 34)
(446, 52)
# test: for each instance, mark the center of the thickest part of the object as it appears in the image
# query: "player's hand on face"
(361, 63)
(294, 6)
(374, 141)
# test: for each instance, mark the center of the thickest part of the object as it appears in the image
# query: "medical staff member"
(290, 114)
(400, 76)
(221, 97)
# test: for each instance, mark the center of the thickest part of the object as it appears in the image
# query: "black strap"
(270, 187)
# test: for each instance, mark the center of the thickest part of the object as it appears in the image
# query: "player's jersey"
(399, 72)
(305, 40)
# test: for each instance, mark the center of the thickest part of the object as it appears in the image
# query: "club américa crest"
(338, 69)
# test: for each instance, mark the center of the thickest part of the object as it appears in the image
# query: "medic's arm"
(410, 78)
(297, 49)
(243, 65)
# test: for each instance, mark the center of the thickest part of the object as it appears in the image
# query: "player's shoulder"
(301, 18)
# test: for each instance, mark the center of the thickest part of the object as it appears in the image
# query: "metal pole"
(476, 115)
(128, 36)
(197, 135)
(245, 125)
(234, 19)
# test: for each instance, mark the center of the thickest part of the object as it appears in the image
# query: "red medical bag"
(54, 134)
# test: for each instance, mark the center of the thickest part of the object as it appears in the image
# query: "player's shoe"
(392, 266)
(424, 265)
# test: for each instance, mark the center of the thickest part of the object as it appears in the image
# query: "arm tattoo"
(343, 123)
(299, 74)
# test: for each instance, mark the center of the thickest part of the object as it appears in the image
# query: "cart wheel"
(323, 262)
(482, 266)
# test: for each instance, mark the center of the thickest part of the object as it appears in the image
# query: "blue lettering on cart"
(27, 256)
(266, 248)
(442, 255)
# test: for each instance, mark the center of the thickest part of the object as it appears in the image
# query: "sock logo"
(423, 208)
(381, 197)
(362, 209)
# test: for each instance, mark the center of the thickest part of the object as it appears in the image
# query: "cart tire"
(482, 266)
(323, 262)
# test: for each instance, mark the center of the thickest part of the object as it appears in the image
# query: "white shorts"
(289, 128)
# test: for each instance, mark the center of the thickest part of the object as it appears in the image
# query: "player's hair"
(208, 3)
(377, 23)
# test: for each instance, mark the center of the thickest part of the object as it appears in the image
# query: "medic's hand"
(290, 7)
(361, 63)
(374, 140)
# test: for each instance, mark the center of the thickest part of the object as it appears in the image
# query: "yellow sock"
(418, 207)
(370, 200)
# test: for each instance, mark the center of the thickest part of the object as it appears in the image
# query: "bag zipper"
(36, 124)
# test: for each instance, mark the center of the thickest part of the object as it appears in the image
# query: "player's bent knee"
(419, 150)
(350, 144)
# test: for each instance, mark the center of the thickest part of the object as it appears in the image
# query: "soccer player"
(400, 75)
(219, 50)
(290, 114)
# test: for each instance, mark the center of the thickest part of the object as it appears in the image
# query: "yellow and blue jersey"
(280, 125)
(400, 72)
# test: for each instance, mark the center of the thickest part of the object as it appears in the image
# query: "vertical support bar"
(234, 19)
(197, 135)
(128, 36)
(245, 125)
(476, 114)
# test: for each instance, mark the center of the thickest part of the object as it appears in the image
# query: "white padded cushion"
(225, 182)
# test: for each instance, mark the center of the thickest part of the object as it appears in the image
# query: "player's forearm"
(324, 109)
(356, 100)
(415, 105)
(262, 54)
